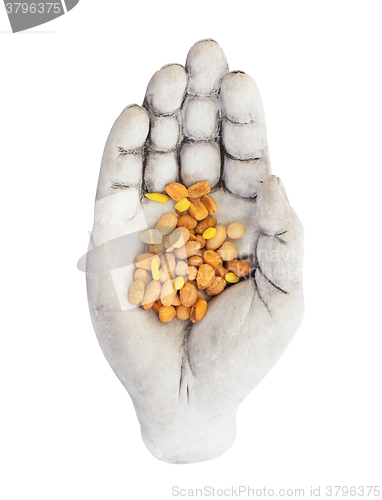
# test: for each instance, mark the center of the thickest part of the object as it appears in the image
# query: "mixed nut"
(184, 254)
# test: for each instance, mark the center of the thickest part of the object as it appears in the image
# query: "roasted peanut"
(168, 293)
(177, 238)
(205, 224)
(221, 271)
(176, 191)
(147, 306)
(188, 295)
(212, 258)
(152, 292)
(199, 189)
(167, 262)
(164, 276)
(183, 312)
(198, 310)
(189, 249)
(187, 221)
(227, 251)
(192, 237)
(197, 210)
(155, 249)
(142, 275)
(157, 305)
(201, 240)
(239, 267)
(192, 272)
(205, 276)
(200, 294)
(151, 236)
(143, 261)
(210, 204)
(195, 260)
(219, 238)
(166, 223)
(217, 286)
(136, 292)
(181, 268)
(167, 313)
(235, 230)
(176, 301)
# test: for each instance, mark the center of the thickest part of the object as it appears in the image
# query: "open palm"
(187, 380)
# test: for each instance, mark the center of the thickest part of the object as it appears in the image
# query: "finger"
(200, 153)
(246, 162)
(164, 96)
(119, 184)
(279, 251)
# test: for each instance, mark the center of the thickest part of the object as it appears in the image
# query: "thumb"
(279, 251)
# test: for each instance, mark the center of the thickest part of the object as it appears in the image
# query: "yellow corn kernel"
(162, 198)
(155, 269)
(231, 278)
(209, 233)
(182, 205)
(192, 231)
(179, 282)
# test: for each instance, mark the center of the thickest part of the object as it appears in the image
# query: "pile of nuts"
(184, 254)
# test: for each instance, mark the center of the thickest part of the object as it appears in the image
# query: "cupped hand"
(198, 122)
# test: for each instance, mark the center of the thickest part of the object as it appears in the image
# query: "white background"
(68, 428)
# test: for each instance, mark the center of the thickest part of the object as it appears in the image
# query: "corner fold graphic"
(31, 13)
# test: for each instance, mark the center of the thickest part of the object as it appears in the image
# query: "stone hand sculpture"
(197, 122)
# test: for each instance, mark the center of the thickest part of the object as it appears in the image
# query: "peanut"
(142, 275)
(157, 305)
(192, 272)
(164, 276)
(195, 260)
(152, 292)
(235, 230)
(201, 240)
(189, 249)
(227, 251)
(144, 260)
(221, 272)
(155, 249)
(168, 293)
(212, 258)
(199, 189)
(239, 267)
(210, 204)
(167, 313)
(147, 306)
(197, 210)
(136, 292)
(166, 223)
(192, 237)
(188, 295)
(205, 224)
(176, 301)
(177, 238)
(181, 268)
(200, 294)
(187, 221)
(205, 276)
(183, 312)
(176, 191)
(217, 286)
(198, 310)
(168, 263)
(151, 236)
(219, 238)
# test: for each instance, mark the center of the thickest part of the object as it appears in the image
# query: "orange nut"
(205, 224)
(188, 295)
(176, 191)
(219, 238)
(210, 204)
(221, 272)
(239, 267)
(197, 210)
(157, 305)
(227, 251)
(212, 258)
(195, 260)
(167, 313)
(142, 275)
(183, 312)
(217, 286)
(187, 221)
(136, 292)
(205, 276)
(189, 249)
(199, 189)
(198, 310)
